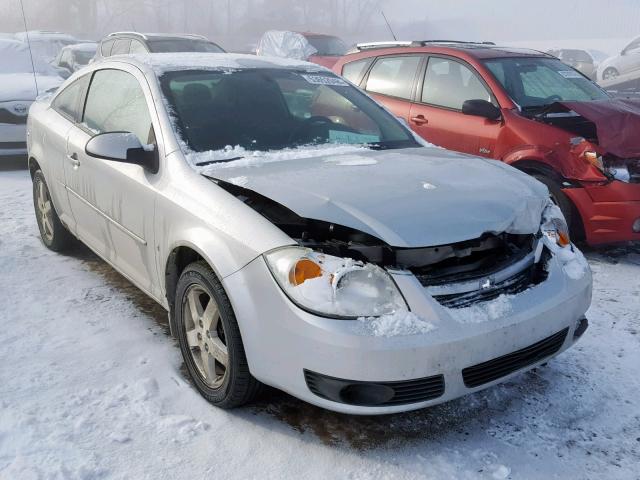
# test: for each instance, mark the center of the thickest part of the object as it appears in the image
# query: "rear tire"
(210, 339)
(53, 233)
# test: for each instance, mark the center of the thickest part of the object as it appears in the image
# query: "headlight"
(333, 286)
(554, 226)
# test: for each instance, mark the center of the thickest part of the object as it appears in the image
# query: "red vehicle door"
(436, 114)
(392, 81)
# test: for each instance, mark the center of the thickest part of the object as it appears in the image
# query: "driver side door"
(114, 203)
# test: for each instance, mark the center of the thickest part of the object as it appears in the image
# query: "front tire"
(559, 198)
(610, 73)
(210, 339)
(52, 232)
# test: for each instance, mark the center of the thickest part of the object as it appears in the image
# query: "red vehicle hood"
(325, 61)
(617, 123)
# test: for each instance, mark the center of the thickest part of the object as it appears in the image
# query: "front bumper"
(608, 211)
(282, 341)
(13, 140)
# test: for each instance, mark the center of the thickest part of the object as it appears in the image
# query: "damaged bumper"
(342, 366)
(610, 212)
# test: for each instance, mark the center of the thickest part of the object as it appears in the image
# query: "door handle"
(419, 120)
(73, 158)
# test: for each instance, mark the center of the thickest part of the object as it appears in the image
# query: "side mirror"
(481, 108)
(123, 147)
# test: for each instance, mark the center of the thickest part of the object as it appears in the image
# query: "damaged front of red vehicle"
(601, 153)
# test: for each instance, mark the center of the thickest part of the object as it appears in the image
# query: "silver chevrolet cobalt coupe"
(300, 236)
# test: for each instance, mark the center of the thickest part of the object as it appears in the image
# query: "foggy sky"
(240, 22)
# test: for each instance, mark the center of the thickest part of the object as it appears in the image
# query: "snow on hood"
(21, 86)
(407, 198)
(617, 122)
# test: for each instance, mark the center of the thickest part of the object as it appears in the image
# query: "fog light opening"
(369, 394)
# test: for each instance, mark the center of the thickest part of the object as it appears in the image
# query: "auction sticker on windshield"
(340, 136)
(325, 80)
(570, 74)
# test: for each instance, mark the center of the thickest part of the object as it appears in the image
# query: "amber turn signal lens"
(303, 270)
(594, 159)
(563, 239)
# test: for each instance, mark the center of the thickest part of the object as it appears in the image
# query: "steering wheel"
(315, 121)
(554, 98)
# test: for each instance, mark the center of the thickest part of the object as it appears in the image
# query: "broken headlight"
(554, 227)
(333, 286)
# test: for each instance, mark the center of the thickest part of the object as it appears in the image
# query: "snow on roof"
(43, 35)
(85, 47)
(166, 62)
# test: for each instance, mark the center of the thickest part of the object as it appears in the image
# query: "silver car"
(300, 236)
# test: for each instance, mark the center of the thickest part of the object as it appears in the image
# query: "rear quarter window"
(69, 101)
(354, 71)
(106, 47)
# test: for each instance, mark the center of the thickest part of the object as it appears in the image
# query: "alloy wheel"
(45, 211)
(205, 336)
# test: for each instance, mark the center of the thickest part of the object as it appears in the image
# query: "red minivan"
(525, 108)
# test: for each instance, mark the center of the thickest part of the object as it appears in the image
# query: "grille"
(8, 117)
(499, 367)
(511, 286)
(400, 393)
(13, 145)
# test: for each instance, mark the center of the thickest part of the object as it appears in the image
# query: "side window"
(106, 47)
(68, 101)
(121, 46)
(137, 47)
(393, 76)
(449, 84)
(354, 71)
(116, 103)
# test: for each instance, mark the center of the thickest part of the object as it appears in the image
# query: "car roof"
(166, 62)
(85, 47)
(479, 50)
(157, 36)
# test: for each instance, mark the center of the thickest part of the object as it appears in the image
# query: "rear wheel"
(53, 233)
(210, 339)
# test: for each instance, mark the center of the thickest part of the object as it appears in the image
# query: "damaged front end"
(605, 135)
(457, 275)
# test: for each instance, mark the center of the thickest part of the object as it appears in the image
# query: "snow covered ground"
(92, 386)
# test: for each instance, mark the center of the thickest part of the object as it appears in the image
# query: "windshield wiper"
(211, 162)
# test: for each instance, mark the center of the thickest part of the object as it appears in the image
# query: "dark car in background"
(525, 108)
(122, 43)
(581, 60)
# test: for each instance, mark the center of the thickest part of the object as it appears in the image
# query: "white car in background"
(301, 236)
(46, 45)
(18, 91)
(626, 62)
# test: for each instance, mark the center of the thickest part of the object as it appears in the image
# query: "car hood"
(617, 124)
(407, 198)
(20, 86)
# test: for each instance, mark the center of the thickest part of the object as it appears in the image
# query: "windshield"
(328, 46)
(274, 109)
(534, 82)
(183, 45)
